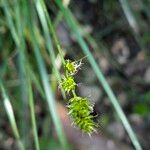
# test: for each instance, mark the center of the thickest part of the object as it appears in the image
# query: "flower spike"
(80, 111)
(80, 108)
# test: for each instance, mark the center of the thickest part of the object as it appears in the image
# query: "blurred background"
(114, 38)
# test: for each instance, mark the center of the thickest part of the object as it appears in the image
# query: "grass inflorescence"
(80, 108)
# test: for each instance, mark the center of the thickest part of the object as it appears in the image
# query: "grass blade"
(11, 116)
(41, 9)
(33, 119)
(10, 22)
(129, 15)
(22, 71)
(47, 88)
(133, 22)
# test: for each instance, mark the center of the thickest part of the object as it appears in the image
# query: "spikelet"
(68, 84)
(80, 110)
(71, 67)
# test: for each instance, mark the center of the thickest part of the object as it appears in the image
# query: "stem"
(74, 94)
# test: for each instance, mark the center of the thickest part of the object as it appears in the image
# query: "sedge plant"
(80, 108)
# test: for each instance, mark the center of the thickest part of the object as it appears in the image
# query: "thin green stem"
(22, 73)
(33, 119)
(74, 93)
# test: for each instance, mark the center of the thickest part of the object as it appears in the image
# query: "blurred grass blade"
(36, 81)
(133, 22)
(144, 7)
(10, 22)
(74, 28)
(11, 116)
(49, 96)
(47, 88)
(17, 34)
(33, 119)
(129, 15)
(41, 9)
(57, 43)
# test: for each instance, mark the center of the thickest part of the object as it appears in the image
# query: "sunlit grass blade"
(74, 28)
(52, 29)
(10, 114)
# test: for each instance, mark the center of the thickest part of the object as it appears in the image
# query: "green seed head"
(68, 84)
(71, 67)
(80, 110)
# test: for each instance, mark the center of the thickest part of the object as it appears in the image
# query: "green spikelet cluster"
(70, 67)
(80, 108)
(68, 84)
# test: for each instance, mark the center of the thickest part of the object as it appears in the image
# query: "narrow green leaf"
(42, 12)
(11, 116)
